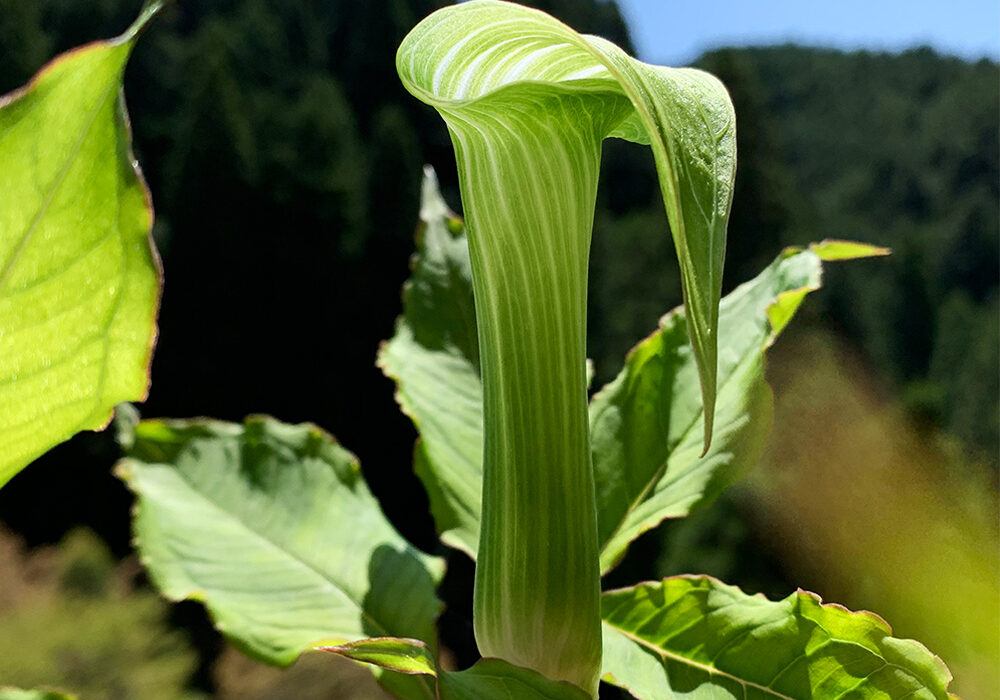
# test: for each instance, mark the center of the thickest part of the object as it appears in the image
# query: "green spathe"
(528, 102)
(79, 278)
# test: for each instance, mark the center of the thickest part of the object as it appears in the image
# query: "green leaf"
(695, 637)
(493, 679)
(434, 359)
(18, 694)
(636, 428)
(273, 527)
(646, 425)
(402, 655)
(79, 278)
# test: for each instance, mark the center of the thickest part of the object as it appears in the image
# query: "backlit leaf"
(79, 278)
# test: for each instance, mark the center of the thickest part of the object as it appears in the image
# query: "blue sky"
(676, 31)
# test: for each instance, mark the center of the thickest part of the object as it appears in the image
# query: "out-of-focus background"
(285, 158)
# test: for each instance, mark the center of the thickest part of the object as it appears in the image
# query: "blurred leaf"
(855, 499)
(92, 630)
(697, 637)
(434, 359)
(79, 279)
(273, 527)
(18, 694)
(646, 425)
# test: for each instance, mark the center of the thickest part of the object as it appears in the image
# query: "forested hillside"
(901, 151)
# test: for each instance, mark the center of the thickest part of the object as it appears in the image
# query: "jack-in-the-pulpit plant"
(528, 102)
(273, 527)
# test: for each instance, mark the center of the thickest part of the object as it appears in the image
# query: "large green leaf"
(434, 359)
(273, 528)
(695, 637)
(79, 278)
(646, 425)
